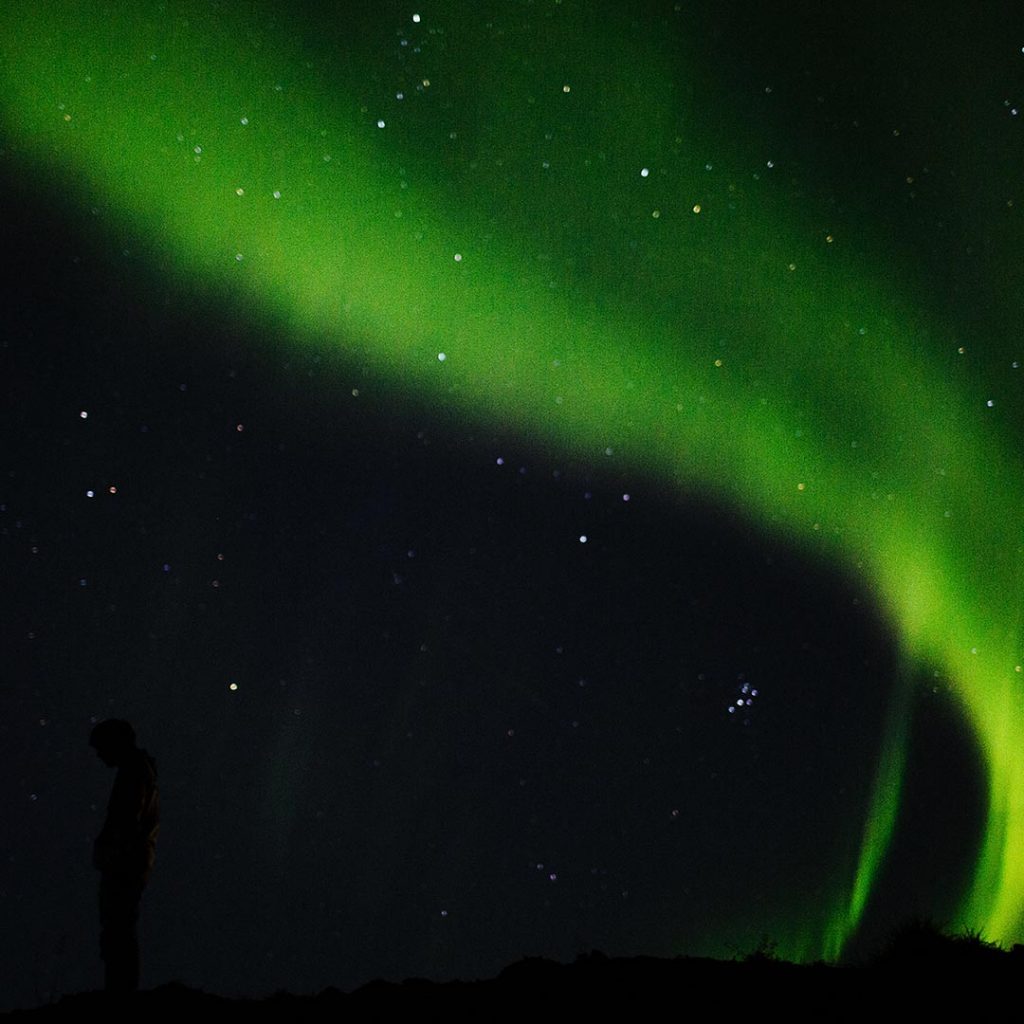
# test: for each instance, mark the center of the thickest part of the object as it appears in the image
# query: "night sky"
(539, 476)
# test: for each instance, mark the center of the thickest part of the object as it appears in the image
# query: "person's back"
(126, 846)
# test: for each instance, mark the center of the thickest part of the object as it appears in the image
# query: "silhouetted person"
(125, 849)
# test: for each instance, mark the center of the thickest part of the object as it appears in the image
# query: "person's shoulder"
(142, 763)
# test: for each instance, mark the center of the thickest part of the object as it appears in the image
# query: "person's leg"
(119, 942)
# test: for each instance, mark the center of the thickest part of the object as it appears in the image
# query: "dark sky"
(408, 721)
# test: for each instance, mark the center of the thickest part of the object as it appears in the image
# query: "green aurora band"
(700, 325)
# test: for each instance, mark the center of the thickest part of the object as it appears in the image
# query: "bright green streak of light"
(830, 416)
(877, 830)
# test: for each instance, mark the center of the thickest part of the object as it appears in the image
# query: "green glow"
(817, 398)
(879, 827)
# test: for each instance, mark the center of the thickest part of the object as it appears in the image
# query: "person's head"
(112, 740)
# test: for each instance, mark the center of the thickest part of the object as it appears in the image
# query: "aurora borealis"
(771, 265)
